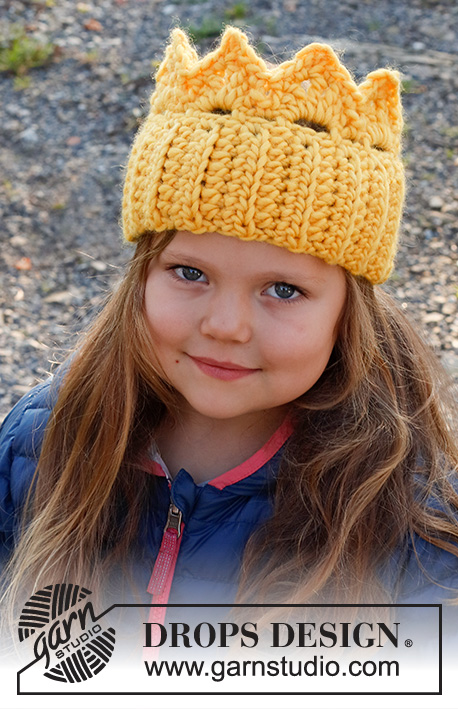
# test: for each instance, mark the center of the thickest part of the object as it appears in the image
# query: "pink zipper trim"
(160, 584)
(257, 460)
(154, 468)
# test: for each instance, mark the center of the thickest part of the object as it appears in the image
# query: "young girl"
(251, 417)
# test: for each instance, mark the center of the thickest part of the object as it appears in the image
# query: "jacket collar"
(261, 461)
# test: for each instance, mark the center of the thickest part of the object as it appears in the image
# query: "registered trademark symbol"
(408, 642)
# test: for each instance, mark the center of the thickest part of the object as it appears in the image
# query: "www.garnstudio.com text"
(316, 666)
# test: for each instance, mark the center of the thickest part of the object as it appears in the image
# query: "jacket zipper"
(161, 579)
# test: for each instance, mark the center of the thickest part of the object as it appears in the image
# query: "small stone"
(450, 361)
(29, 135)
(436, 202)
(73, 41)
(23, 264)
(432, 317)
(93, 25)
(449, 308)
(59, 297)
(13, 126)
(99, 266)
(17, 335)
(18, 240)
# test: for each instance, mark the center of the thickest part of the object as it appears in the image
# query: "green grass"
(213, 25)
(19, 52)
(210, 27)
(91, 57)
(22, 82)
(411, 86)
(374, 25)
(236, 12)
(406, 129)
(450, 131)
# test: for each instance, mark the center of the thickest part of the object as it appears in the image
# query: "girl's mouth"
(227, 371)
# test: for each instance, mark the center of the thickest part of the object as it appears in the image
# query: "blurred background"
(75, 78)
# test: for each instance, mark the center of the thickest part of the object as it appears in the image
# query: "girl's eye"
(284, 291)
(188, 273)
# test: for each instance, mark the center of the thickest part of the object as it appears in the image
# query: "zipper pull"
(166, 559)
(162, 577)
(174, 520)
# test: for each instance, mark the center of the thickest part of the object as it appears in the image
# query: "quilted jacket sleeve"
(21, 436)
(430, 575)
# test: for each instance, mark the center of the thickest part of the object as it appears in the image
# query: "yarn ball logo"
(67, 633)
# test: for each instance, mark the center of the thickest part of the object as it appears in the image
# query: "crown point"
(381, 92)
(321, 59)
(232, 34)
(179, 55)
(235, 44)
(383, 84)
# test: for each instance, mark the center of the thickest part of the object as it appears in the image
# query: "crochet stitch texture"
(296, 155)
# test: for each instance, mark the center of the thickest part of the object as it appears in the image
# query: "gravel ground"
(65, 137)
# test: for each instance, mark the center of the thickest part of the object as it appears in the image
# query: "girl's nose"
(228, 318)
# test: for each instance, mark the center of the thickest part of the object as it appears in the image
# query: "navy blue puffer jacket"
(198, 557)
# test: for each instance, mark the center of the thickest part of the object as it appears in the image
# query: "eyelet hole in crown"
(317, 127)
(221, 112)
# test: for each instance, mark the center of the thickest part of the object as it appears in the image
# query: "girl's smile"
(221, 370)
(241, 328)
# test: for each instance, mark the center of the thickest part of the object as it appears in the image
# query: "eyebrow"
(277, 276)
(267, 275)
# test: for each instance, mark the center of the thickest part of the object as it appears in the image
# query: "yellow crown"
(297, 155)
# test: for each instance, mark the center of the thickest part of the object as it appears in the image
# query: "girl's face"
(241, 327)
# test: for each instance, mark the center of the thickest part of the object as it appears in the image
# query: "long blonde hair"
(372, 442)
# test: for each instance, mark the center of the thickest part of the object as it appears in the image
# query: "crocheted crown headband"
(297, 155)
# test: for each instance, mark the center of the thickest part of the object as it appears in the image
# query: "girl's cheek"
(168, 324)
